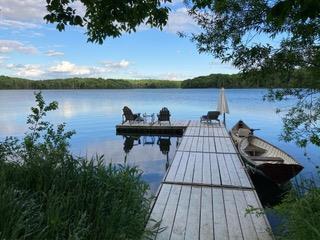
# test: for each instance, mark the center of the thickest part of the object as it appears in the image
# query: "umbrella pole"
(224, 119)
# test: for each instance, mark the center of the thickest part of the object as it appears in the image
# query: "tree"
(107, 18)
(269, 36)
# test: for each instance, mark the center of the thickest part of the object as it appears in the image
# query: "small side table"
(149, 117)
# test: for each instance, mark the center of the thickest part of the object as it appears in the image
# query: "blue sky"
(32, 49)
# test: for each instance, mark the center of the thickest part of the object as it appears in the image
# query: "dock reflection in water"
(164, 143)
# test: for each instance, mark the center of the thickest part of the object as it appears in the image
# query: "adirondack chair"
(211, 116)
(164, 115)
(129, 116)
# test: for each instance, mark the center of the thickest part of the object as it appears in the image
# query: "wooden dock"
(143, 128)
(207, 190)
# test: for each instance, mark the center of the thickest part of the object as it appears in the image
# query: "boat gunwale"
(248, 156)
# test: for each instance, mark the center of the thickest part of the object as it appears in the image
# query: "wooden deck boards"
(207, 190)
(194, 212)
(207, 169)
(207, 144)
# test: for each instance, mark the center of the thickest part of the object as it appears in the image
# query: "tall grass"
(47, 193)
(300, 213)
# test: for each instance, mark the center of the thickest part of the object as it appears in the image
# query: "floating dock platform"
(206, 191)
(143, 128)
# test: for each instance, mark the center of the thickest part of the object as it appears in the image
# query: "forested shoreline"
(300, 79)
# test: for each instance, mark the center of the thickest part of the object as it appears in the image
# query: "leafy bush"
(47, 193)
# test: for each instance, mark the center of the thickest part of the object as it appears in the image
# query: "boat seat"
(253, 150)
(267, 159)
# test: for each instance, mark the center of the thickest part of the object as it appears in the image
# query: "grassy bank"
(47, 193)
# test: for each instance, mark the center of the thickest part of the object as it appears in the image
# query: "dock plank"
(233, 223)
(193, 222)
(215, 169)
(182, 167)
(169, 213)
(247, 226)
(219, 215)
(158, 209)
(261, 223)
(179, 226)
(188, 177)
(206, 221)
(174, 166)
(206, 169)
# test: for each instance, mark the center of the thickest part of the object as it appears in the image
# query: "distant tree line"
(84, 83)
(299, 79)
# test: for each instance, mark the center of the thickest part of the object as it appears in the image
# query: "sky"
(30, 48)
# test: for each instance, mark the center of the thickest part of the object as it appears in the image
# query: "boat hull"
(280, 173)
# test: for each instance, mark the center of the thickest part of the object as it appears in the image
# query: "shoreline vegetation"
(300, 79)
(48, 193)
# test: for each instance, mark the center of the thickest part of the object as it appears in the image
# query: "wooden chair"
(164, 115)
(129, 116)
(211, 116)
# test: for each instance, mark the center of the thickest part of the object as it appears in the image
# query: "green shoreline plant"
(300, 211)
(47, 193)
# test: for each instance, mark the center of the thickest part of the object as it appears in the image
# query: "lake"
(94, 114)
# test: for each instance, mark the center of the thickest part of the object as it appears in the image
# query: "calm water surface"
(94, 114)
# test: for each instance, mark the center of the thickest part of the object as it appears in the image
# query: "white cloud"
(53, 53)
(7, 46)
(3, 59)
(69, 68)
(23, 10)
(27, 70)
(112, 69)
(25, 14)
(111, 65)
(17, 24)
(172, 76)
(180, 21)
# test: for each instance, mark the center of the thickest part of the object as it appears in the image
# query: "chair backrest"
(213, 115)
(128, 113)
(164, 114)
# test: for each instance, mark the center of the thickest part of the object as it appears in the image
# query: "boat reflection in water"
(270, 193)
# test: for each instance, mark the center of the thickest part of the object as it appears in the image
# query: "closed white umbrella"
(223, 107)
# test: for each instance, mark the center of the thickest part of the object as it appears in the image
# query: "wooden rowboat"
(268, 159)
(237, 135)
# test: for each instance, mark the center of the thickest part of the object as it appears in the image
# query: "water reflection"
(270, 193)
(94, 114)
(163, 142)
(129, 142)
